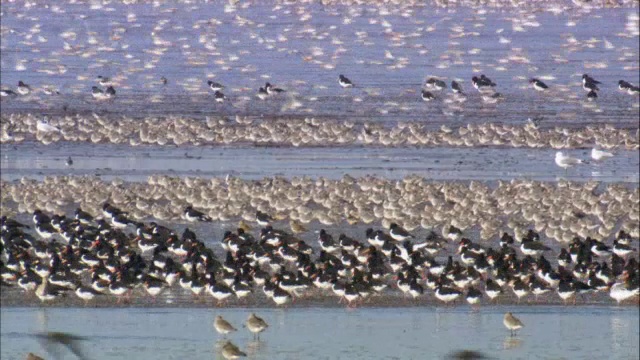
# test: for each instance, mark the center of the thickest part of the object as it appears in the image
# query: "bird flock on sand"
(114, 255)
(309, 131)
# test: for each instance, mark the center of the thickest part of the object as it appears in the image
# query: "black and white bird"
(628, 87)
(272, 90)
(262, 94)
(538, 85)
(482, 83)
(435, 84)
(7, 92)
(398, 233)
(110, 92)
(97, 93)
(263, 219)
(456, 87)
(215, 86)
(344, 82)
(590, 84)
(219, 97)
(427, 96)
(23, 89)
(193, 215)
(103, 80)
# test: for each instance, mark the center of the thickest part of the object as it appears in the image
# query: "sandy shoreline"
(179, 298)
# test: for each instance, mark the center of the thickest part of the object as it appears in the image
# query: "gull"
(600, 154)
(44, 126)
(566, 161)
(512, 323)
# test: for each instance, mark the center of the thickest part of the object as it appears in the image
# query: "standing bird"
(222, 326)
(512, 323)
(566, 161)
(230, 351)
(538, 85)
(192, 215)
(256, 325)
(344, 82)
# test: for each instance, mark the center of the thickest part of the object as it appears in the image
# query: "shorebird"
(192, 215)
(427, 95)
(456, 87)
(230, 351)
(566, 161)
(44, 126)
(628, 87)
(272, 89)
(262, 94)
(398, 233)
(344, 82)
(538, 85)
(103, 80)
(215, 86)
(23, 89)
(222, 326)
(256, 325)
(598, 155)
(7, 92)
(512, 323)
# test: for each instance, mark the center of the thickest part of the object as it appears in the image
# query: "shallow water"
(374, 333)
(243, 47)
(35, 161)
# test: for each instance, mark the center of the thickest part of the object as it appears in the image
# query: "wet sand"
(177, 297)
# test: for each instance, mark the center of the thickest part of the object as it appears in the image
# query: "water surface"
(372, 333)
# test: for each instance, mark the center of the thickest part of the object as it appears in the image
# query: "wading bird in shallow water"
(222, 326)
(512, 323)
(256, 325)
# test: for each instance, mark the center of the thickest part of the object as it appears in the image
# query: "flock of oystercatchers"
(96, 256)
(483, 84)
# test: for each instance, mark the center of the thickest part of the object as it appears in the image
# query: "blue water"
(331, 333)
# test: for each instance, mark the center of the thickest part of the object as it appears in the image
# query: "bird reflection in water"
(511, 342)
(54, 342)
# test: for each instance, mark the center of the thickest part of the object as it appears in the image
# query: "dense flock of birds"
(96, 256)
(313, 132)
(483, 84)
(560, 210)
